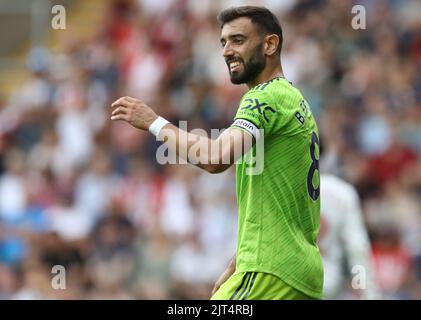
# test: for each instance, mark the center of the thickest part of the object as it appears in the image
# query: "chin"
(237, 79)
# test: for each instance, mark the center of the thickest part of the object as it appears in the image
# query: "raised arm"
(211, 155)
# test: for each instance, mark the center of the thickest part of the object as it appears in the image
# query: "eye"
(238, 41)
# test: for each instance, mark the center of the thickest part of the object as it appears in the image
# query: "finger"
(116, 103)
(124, 117)
(125, 103)
(130, 99)
(121, 101)
(119, 110)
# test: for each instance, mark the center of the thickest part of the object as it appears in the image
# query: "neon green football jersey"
(279, 207)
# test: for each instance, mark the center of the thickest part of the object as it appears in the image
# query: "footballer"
(277, 255)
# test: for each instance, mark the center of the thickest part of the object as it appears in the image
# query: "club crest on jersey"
(263, 108)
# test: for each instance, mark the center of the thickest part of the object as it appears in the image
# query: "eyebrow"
(236, 35)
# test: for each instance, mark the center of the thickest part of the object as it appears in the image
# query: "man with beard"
(279, 206)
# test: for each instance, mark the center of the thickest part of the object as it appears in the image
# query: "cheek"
(251, 52)
(245, 54)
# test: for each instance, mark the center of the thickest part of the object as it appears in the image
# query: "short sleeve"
(255, 113)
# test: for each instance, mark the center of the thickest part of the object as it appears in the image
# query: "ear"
(271, 44)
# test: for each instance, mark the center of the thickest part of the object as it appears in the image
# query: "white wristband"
(157, 125)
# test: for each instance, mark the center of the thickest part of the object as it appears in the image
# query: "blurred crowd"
(79, 191)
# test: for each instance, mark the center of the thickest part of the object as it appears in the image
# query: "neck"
(266, 75)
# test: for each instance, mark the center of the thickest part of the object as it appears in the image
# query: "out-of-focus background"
(79, 191)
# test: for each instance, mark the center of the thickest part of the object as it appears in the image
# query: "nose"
(227, 50)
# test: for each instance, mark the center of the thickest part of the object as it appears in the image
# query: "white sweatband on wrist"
(157, 125)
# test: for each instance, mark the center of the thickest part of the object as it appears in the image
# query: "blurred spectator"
(391, 261)
(152, 276)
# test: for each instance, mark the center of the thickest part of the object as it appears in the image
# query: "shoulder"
(265, 96)
(271, 104)
(279, 93)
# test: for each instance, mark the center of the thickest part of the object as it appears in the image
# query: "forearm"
(208, 154)
(212, 155)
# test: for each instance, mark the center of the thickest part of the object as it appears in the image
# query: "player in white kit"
(343, 238)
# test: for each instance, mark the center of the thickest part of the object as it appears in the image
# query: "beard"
(251, 68)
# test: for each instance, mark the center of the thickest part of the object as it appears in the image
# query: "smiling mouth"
(234, 65)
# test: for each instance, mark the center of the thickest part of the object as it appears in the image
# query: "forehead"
(241, 25)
